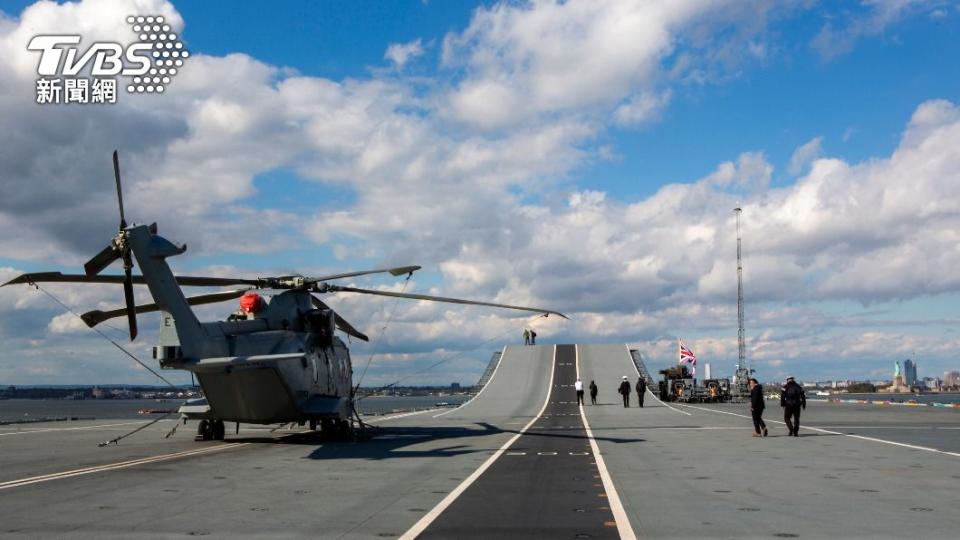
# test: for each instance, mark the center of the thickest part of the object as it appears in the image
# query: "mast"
(743, 370)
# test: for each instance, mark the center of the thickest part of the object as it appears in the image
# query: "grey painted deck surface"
(679, 475)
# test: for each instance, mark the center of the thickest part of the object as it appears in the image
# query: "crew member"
(625, 391)
(641, 390)
(578, 386)
(533, 336)
(756, 408)
(792, 399)
(593, 393)
(526, 336)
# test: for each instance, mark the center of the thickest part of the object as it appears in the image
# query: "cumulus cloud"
(641, 108)
(804, 154)
(871, 18)
(527, 60)
(469, 181)
(401, 53)
(66, 323)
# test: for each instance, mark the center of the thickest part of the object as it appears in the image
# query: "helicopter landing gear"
(326, 429)
(219, 430)
(211, 430)
(344, 433)
(313, 424)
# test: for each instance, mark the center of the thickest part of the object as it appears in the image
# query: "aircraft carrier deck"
(522, 459)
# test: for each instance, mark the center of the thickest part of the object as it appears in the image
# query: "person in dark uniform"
(756, 408)
(792, 399)
(641, 390)
(625, 391)
(593, 393)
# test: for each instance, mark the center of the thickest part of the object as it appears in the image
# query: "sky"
(581, 156)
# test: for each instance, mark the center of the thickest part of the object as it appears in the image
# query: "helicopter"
(275, 361)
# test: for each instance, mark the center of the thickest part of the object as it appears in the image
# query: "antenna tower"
(743, 370)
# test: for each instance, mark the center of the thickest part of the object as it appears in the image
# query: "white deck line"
(490, 380)
(434, 513)
(616, 506)
(82, 428)
(114, 466)
(861, 437)
(386, 417)
(651, 391)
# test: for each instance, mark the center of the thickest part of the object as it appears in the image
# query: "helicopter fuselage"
(279, 363)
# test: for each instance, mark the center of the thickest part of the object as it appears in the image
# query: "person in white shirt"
(578, 386)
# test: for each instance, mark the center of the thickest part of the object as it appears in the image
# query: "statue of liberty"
(896, 370)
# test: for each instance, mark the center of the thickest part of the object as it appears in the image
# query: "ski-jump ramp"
(521, 381)
(517, 388)
(607, 365)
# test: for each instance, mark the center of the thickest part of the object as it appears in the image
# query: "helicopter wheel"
(326, 429)
(218, 430)
(204, 430)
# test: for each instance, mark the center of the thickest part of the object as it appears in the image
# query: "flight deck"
(521, 460)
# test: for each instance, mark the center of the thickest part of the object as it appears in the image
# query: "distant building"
(455, 387)
(951, 379)
(909, 372)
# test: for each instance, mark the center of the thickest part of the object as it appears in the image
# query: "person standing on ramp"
(593, 393)
(641, 390)
(756, 408)
(578, 386)
(792, 399)
(526, 336)
(625, 391)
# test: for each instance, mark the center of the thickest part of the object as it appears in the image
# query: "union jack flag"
(687, 356)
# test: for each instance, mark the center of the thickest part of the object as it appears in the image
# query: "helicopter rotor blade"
(188, 281)
(336, 288)
(95, 317)
(131, 304)
(116, 176)
(341, 323)
(398, 271)
(110, 253)
(101, 260)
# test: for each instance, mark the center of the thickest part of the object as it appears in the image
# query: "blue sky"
(771, 106)
(494, 161)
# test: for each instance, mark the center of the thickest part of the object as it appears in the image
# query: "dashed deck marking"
(530, 497)
(435, 512)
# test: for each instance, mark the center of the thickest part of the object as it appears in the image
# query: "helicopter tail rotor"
(118, 249)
